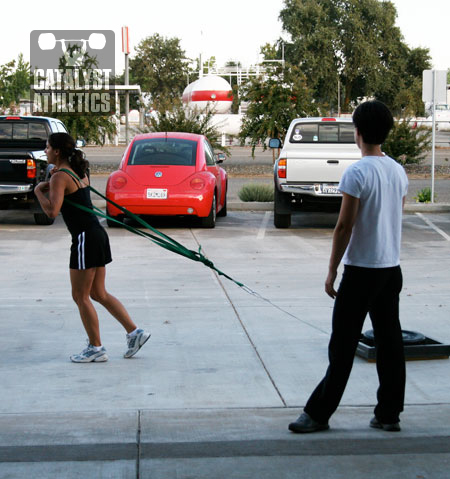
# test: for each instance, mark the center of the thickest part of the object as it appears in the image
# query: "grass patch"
(256, 192)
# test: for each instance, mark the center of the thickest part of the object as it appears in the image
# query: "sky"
(227, 29)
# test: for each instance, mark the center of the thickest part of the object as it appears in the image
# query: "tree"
(93, 128)
(355, 42)
(401, 86)
(186, 120)
(160, 67)
(14, 82)
(274, 100)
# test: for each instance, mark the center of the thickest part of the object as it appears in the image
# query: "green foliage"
(424, 196)
(355, 42)
(187, 121)
(273, 102)
(160, 67)
(93, 128)
(15, 82)
(256, 192)
(406, 144)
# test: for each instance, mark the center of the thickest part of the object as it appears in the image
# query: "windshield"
(163, 151)
(323, 132)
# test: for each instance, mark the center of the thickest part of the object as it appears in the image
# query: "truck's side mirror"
(275, 143)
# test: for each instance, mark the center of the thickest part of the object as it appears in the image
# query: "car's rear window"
(323, 132)
(22, 130)
(163, 151)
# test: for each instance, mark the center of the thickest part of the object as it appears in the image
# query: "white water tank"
(210, 90)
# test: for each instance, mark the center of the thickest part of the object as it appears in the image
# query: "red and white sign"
(125, 41)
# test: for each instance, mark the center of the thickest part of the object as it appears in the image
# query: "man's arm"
(341, 238)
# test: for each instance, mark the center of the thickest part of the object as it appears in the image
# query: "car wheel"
(223, 211)
(281, 221)
(210, 220)
(43, 219)
(113, 224)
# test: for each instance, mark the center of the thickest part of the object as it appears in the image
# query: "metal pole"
(433, 129)
(339, 97)
(127, 101)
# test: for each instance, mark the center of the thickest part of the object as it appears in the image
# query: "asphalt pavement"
(212, 392)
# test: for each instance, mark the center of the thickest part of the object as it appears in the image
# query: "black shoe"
(305, 423)
(393, 427)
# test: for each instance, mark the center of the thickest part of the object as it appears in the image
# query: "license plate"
(330, 190)
(156, 193)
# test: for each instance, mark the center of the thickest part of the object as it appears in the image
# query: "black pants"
(362, 291)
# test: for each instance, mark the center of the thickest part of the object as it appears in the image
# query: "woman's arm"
(56, 187)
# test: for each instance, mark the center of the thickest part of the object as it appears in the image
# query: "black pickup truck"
(23, 162)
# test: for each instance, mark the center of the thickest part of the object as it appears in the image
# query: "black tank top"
(78, 220)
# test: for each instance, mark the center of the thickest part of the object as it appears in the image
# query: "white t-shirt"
(380, 183)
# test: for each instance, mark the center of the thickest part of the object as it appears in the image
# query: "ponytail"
(66, 145)
(78, 162)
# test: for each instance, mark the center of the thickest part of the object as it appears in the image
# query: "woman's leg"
(112, 304)
(82, 280)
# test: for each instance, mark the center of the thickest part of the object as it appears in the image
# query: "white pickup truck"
(311, 162)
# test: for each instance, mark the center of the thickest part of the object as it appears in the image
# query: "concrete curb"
(259, 206)
(217, 433)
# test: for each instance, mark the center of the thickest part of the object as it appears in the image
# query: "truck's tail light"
(281, 169)
(31, 169)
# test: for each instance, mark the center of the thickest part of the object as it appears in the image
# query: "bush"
(424, 196)
(256, 192)
(408, 144)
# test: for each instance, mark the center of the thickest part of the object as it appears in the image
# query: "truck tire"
(210, 220)
(281, 221)
(42, 219)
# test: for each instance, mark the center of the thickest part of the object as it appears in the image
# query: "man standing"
(367, 236)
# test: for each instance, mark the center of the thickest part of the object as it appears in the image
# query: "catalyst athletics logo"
(72, 71)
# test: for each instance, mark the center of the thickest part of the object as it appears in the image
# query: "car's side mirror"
(80, 143)
(220, 157)
(275, 143)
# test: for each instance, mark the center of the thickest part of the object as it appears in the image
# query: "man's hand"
(329, 284)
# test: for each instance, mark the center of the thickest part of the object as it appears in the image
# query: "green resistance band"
(158, 237)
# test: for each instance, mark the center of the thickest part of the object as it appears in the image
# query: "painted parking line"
(263, 227)
(433, 226)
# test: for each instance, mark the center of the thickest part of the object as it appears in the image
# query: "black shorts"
(90, 249)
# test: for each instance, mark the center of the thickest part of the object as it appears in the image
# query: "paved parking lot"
(222, 365)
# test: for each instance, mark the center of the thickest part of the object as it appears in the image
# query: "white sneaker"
(89, 355)
(136, 342)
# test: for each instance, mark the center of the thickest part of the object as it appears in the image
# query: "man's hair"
(374, 121)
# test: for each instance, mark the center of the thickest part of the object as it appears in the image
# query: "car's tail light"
(328, 119)
(119, 182)
(31, 169)
(281, 168)
(197, 183)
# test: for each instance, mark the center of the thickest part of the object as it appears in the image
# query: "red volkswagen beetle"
(169, 174)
